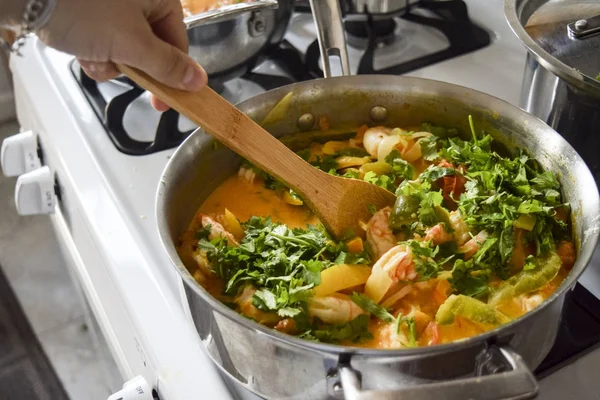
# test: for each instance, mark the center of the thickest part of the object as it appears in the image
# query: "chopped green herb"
(356, 331)
(383, 181)
(400, 167)
(371, 307)
(284, 264)
(412, 329)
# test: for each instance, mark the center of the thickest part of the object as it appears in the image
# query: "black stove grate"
(111, 115)
(579, 331)
(167, 133)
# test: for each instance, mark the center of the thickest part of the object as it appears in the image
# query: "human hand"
(145, 34)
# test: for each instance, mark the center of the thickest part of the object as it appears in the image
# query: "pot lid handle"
(488, 384)
(584, 28)
(330, 32)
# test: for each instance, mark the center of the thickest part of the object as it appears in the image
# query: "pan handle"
(518, 383)
(330, 31)
(228, 12)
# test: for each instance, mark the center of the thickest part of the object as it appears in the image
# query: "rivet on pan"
(378, 114)
(581, 24)
(337, 388)
(306, 122)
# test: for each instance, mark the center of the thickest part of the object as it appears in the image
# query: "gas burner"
(359, 32)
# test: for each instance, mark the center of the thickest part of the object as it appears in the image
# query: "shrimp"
(379, 235)
(398, 263)
(472, 246)
(245, 306)
(203, 266)
(287, 325)
(217, 230)
(431, 335)
(373, 137)
(531, 302)
(438, 233)
(336, 308)
(247, 174)
(389, 337)
(191, 255)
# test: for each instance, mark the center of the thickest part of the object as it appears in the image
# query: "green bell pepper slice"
(404, 211)
(527, 280)
(469, 308)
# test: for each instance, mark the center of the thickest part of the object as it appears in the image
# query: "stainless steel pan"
(228, 41)
(494, 365)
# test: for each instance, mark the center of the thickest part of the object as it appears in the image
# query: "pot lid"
(563, 35)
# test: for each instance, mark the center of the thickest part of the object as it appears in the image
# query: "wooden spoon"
(340, 203)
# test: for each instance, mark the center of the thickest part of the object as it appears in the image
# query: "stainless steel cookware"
(228, 41)
(561, 84)
(494, 365)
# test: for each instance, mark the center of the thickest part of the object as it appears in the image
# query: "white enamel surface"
(134, 389)
(34, 193)
(18, 154)
(106, 217)
(107, 208)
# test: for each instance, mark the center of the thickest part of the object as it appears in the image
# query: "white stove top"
(107, 206)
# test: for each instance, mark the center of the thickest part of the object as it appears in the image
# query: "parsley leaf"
(383, 181)
(469, 281)
(429, 148)
(411, 325)
(400, 167)
(356, 330)
(545, 180)
(429, 201)
(371, 307)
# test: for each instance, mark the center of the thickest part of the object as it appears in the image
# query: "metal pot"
(362, 10)
(563, 60)
(493, 365)
(355, 9)
(228, 41)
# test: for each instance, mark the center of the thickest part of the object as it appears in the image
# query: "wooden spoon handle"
(235, 130)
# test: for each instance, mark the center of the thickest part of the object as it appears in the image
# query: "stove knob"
(35, 192)
(19, 154)
(135, 389)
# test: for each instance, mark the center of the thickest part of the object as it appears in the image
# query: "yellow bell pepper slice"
(342, 276)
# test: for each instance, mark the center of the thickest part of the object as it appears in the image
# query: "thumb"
(169, 65)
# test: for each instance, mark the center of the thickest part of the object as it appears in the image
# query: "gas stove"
(97, 152)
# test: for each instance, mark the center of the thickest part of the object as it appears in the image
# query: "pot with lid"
(229, 40)
(561, 84)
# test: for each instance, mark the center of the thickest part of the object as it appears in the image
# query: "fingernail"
(194, 78)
